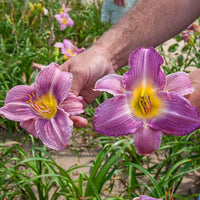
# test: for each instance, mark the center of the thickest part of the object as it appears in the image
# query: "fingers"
(78, 78)
(79, 122)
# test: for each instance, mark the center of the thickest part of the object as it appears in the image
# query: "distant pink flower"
(194, 27)
(68, 49)
(64, 20)
(187, 36)
(64, 8)
(143, 197)
(146, 103)
(44, 108)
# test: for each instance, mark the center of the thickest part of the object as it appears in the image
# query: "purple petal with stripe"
(52, 79)
(111, 83)
(58, 44)
(73, 105)
(29, 126)
(143, 197)
(179, 83)
(16, 107)
(114, 117)
(144, 67)
(178, 117)
(147, 140)
(55, 133)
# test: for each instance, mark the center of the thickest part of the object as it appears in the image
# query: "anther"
(146, 104)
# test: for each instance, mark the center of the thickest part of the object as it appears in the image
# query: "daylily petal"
(58, 44)
(16, 107)
(78, 51)
(55, 133)
(147, 140)
(67, 46)
(70, 22)
(52, 79)
(144, 66)
(63, 27)
(73, 105)
(114, 117)
(178, 117)
(58, 17)
(143, 197)
(179, 83)
(29, 126)
(19, 93)
(67, 43)
(111, 83)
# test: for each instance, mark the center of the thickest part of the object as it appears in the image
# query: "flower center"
(145, 102)
(71, 54)
(64, 20)
(45, 106)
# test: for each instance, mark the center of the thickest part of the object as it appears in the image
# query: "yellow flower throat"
(45, 106)
(64, 20)
(145, 102)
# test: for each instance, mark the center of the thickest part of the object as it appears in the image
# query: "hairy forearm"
(148, 23)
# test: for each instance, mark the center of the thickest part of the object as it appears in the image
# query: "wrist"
(114, 49)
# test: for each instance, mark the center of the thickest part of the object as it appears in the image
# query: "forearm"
(148, 23)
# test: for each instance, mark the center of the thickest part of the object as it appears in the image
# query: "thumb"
(77, 81)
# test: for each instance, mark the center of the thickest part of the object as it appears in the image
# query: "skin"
(195, 82)
(120, 2)
(148, 23)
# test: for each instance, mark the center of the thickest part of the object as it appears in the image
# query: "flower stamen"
(44, 106)
(64, 20)
(145, 104)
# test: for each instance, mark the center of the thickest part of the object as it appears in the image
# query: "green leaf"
(173, 47)
(180, 60)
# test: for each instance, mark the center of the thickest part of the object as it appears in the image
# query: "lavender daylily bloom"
(44, 108)
(143, 197)
(146, 103)
(64, 20)
(68, 49)
(64, 8)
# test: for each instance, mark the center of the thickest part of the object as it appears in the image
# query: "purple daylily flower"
(143, 197)
(68, 49)
(64, 8)
(44, 108)
(194, 27)
(64, 20)
(146, 103)
(187, 36)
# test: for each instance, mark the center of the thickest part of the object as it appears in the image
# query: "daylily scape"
(44, 108)
(146, 103)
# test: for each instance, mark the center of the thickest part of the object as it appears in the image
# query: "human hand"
(195, 82)
(119, 2)
(86, 68)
